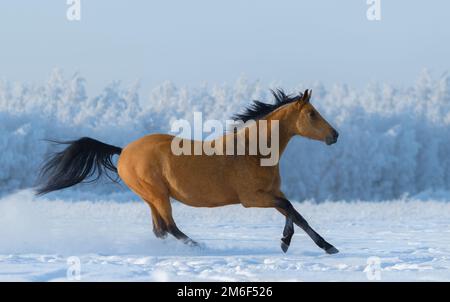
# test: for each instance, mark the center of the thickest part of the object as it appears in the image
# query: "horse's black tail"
(85, 159)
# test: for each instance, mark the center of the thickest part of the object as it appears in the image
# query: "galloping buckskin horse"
(150, 169)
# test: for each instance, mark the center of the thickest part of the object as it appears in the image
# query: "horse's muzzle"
(332, 139)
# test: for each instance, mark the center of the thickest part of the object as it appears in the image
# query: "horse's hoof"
(284, 246)
(192, 243)
(332, 250)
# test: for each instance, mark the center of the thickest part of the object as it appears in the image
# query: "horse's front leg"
(288, 232)
(273, 200)
(286, 208)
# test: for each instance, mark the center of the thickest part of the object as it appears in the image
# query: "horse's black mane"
(257, 109)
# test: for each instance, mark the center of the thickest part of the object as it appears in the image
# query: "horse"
(149, 167)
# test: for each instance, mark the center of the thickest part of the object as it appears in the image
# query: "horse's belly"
(202, 193)
(200, 183)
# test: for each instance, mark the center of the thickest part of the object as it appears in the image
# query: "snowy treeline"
(393, 140)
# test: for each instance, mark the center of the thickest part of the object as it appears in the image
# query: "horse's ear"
(306, 96)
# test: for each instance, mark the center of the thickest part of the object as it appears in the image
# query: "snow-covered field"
(113, 241)
(394, 142)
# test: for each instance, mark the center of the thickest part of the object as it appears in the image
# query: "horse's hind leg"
(163, 221)
(159, 226)
(164, 208)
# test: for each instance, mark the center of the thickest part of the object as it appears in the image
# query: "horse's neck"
(285, 130)
(280, 119)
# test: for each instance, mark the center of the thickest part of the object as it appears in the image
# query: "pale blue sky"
(189, 42)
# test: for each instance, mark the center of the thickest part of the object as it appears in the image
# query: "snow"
(114, 241)
(382, 191)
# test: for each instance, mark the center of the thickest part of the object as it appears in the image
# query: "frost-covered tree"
(393, 140)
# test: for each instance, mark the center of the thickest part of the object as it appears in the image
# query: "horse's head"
(310, 124)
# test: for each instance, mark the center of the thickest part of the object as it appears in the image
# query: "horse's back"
(197, 180)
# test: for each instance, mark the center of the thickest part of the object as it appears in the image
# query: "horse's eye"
(312, 114)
